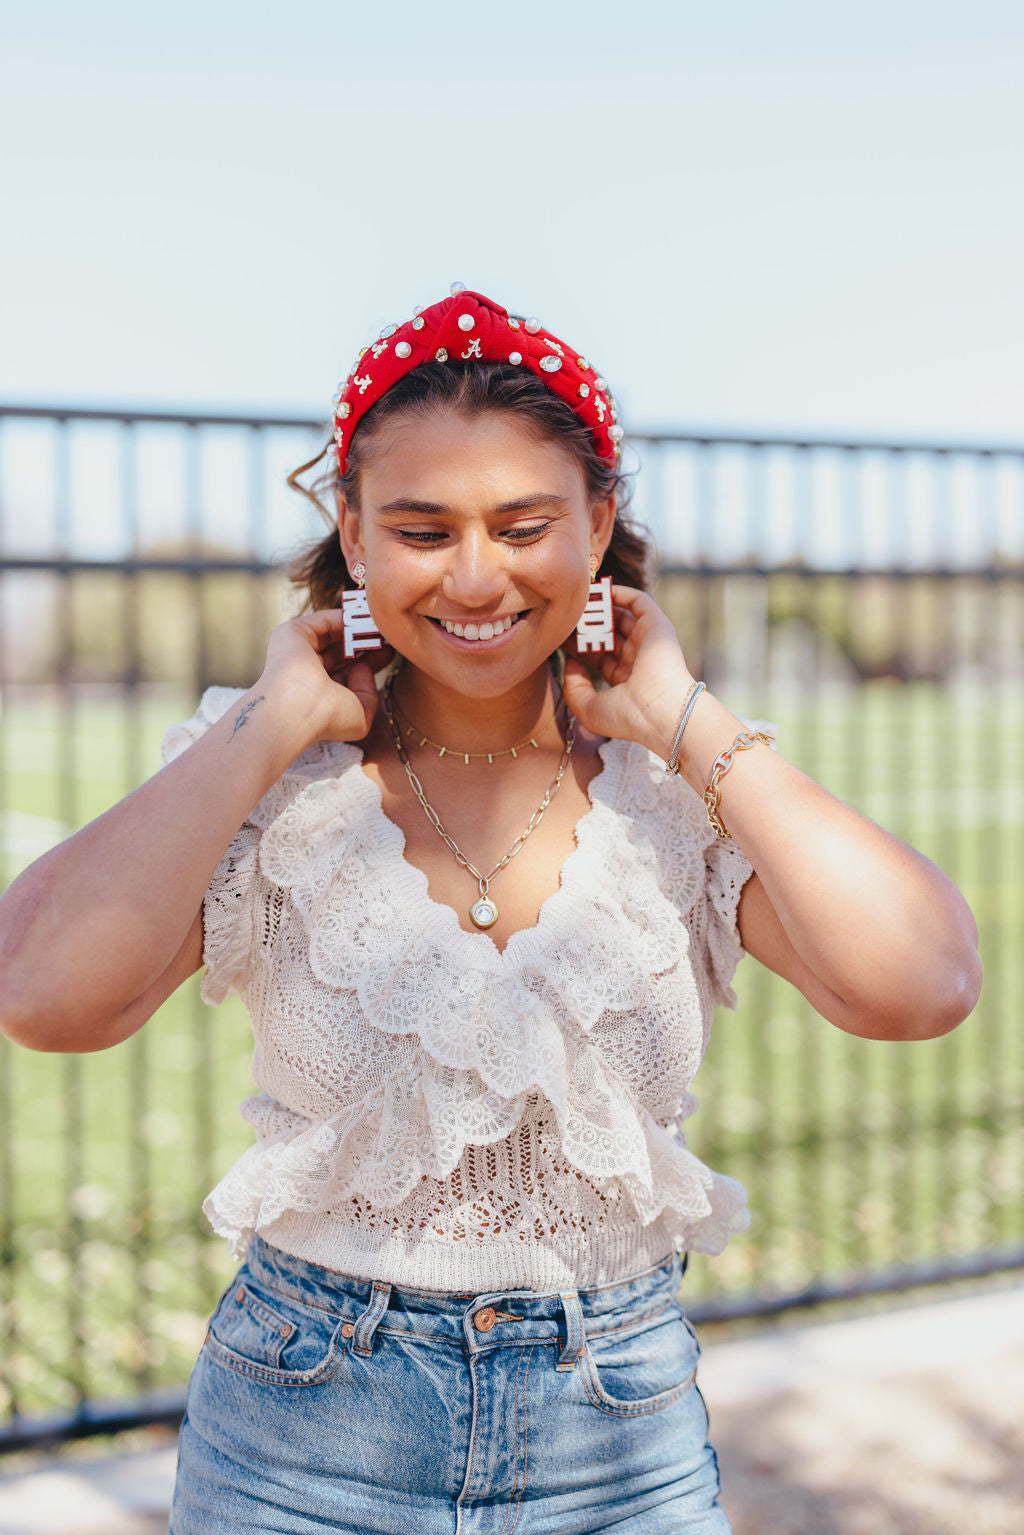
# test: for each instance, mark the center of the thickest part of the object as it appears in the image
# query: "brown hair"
(319, 569)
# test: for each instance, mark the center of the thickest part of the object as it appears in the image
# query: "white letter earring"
(357, 625)
(596, 628)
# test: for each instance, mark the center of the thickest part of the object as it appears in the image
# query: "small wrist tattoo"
(244, 712)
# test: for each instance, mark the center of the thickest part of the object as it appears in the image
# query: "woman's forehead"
(452, 445)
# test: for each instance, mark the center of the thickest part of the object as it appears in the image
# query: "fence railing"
(867, 597)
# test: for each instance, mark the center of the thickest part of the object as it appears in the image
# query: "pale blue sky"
(750, 215)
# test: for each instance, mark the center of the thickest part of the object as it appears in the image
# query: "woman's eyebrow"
(438, 508)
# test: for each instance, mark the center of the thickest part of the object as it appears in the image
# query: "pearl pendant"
(483, 913)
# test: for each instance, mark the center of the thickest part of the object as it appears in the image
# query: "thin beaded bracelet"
(721, 765)
(672, 765)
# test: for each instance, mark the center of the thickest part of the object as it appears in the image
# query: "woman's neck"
(469, 724)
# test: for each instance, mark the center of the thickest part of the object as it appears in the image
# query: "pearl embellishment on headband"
(533, 326)
(466, 322)
(515, 358)
(418, 324)
(403, 349)
(457, 288)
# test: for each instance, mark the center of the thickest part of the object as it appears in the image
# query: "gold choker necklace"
(467, 757)
(483, 913)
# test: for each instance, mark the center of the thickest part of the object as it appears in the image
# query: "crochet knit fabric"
(434, 1111)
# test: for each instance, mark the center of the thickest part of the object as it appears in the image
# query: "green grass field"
(855, 1154)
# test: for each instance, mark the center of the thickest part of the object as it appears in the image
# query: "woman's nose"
(475, 575)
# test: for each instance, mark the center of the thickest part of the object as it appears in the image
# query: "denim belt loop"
(575, 1336)
(362, 1340)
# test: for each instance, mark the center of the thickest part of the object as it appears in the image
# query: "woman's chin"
(481, 669)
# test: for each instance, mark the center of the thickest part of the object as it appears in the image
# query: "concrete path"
(908, 1423)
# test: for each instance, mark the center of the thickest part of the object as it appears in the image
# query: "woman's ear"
(350, 533)
(602, 514)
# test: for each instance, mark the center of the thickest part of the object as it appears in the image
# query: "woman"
(480, 931)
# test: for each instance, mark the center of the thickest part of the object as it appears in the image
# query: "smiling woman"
(470, 524)
(480, 889)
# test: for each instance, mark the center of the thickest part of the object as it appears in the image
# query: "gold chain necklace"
(483, 912)
(467, 757)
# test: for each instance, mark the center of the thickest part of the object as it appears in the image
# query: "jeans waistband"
(481, 1320)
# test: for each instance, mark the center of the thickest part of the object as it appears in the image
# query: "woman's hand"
(647, 677)
(306, 661)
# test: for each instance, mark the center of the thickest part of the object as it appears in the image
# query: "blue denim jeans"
(323, 1403)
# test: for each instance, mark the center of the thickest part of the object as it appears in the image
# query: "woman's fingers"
(645, 661)
(309, 651)
(578, 688)
(360, 682)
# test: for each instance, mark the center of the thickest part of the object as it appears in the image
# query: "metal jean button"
(485, 1319)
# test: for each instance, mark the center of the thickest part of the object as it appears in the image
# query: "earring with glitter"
(596, 628)
(358, 628)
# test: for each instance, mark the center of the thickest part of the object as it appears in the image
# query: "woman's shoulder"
(322, 760)
(635, 785)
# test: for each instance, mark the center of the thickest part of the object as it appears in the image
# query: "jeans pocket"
(642, 1369)
(273, 1338)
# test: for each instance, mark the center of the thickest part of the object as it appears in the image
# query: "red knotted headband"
(465, 328)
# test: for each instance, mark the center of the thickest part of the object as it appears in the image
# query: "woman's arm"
(876, 937)
(100, 930)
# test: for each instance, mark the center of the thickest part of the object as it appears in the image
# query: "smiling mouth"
(488, 630)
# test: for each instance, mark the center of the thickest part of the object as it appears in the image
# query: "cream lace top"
(436, 1112)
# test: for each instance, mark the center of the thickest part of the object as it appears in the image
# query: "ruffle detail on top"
(727, 872)
(227, 919)
(227, 932)
(709, 888)
(391, 1041)
(477, 1033)
(374, 930)
(374, 1151)
(228, 904)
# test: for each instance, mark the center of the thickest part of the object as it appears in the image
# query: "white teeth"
(484, 631)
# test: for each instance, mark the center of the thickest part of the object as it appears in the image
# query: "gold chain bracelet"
(721, 765)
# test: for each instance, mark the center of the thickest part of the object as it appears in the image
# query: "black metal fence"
(867, 597)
